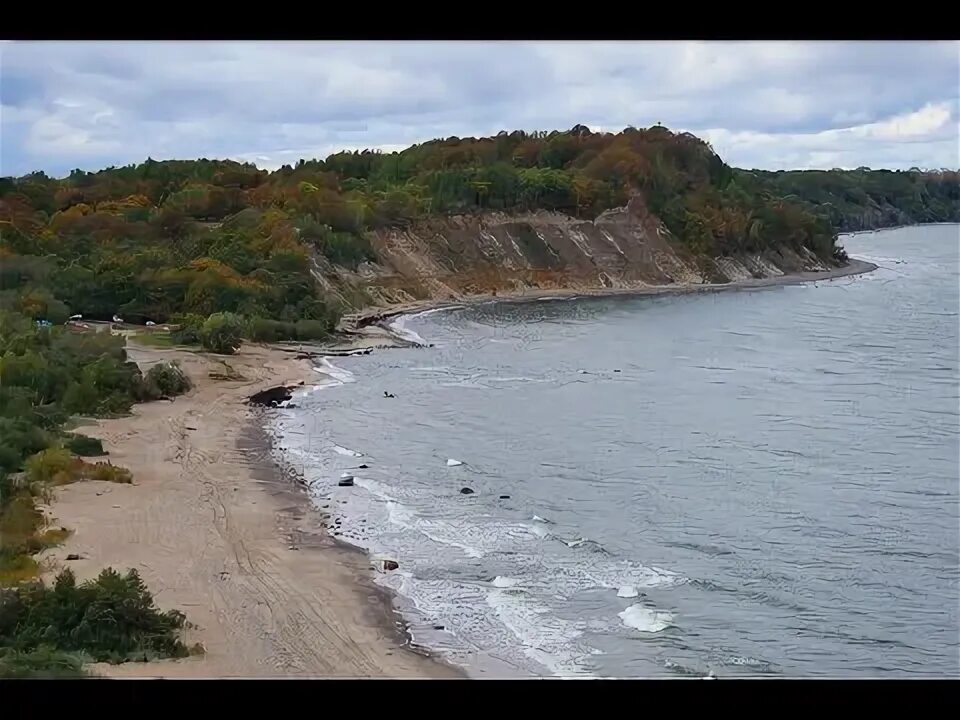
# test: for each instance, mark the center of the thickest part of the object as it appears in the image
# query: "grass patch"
(58, 466)
(53, 537)
(17, 569)
(44, 662)
(158, 339)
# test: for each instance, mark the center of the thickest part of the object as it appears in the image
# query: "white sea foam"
(340, 450)
(521, 378)
(399, 326)
(877, 259)
(545, 638)
(616, 574)
(646, 620)
(539, 530)
(465, 384)
(504, 582)
(337, 373)
(439, 532)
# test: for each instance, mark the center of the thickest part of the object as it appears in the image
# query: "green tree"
(222, 333)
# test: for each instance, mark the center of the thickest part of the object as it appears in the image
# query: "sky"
(771, 105)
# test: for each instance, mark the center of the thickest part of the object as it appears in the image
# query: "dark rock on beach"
(271, 397)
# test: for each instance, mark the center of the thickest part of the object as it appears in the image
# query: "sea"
(749, 483)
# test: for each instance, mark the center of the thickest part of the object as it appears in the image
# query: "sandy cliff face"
(453, 257)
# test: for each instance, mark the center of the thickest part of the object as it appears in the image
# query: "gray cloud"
(761, 104)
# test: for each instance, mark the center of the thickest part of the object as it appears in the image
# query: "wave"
(399, 326)
(545, 638)
(404, 517)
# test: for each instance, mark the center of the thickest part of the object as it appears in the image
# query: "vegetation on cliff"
(183, 240)
(864, 199)
(162, 240)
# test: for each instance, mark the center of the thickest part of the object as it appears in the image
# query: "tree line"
(161, 240)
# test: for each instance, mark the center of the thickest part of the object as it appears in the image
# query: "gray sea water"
(759, 483)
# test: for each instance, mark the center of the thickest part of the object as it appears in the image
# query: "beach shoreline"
(218, 531)
(221, 531)
(374, 316)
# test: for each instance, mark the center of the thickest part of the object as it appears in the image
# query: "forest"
(865, 199)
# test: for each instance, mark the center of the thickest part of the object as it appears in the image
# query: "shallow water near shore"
(749, 483)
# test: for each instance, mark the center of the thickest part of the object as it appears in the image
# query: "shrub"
(44, 662)
(84, 445)
(189, 330)
(266, 330)
(56, 466)
(222, 333)
(111, 619)
(311, 329)
(105, 472)
(48, 464)
(165, 379)
(16, 568)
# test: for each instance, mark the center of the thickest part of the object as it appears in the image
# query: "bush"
(266, 330)
(57, 466)
(188, 332)
(311, 329)
(105, 472)
(47, 465)
(44, 662)
(84, 445)
(16, 568)
(222, 333)
(111, 619)
(165, 379)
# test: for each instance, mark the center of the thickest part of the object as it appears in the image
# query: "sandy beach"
(219, 532)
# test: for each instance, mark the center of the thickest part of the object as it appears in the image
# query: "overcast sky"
(767, 105)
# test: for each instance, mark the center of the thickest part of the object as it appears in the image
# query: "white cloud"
(927, 138)
(762, 104)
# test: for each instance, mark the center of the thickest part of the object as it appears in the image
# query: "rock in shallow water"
(466, 491)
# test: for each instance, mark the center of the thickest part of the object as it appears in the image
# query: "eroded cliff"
(495, 253)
